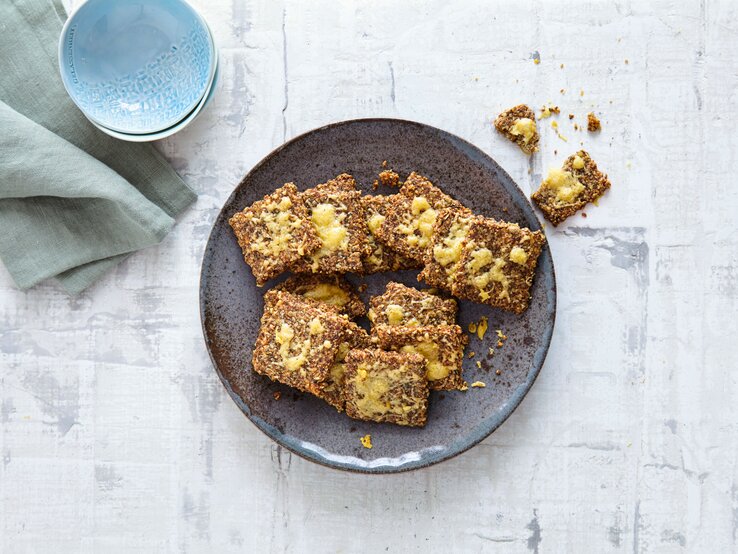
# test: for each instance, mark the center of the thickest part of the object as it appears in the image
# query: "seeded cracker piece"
(386, 387)
(297, 342)
(411, 215)
(338, 218)
(442, 346)
(274, 233)
(332, 390)
(519, 125)
(497, 265)
(447, 243)
(381, 258)
(401, 305)
(565, 191)
(344, 182)
(329, 291)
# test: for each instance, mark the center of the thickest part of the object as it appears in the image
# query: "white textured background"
(118, 437)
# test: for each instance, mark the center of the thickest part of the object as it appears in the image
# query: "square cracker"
(331, 292)
(274, 233)
(566, 191)
(298, 342)
(498, 264)
(386, 387)
(446, 246)
(412, 212)
(337, 216)
(381, 257)
(442, 346)
(518, 124)
(401, 305)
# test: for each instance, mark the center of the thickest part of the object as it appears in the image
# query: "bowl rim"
(62, 66)
(481, 431)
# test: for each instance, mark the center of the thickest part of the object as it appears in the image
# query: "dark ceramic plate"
(231, 304)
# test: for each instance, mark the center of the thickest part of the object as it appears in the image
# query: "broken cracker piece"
(380, 257)
(446, 245)
(565, 191)
(518, 124)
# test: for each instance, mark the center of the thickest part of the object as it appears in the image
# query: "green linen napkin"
(73, 201)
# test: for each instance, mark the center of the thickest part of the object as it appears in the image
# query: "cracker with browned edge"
(381, 257)
(410, 217)
(442, 346)
(518, 124)
(498, 264)
(447, 243)
(566, 191)
(330, 291)
(386, 387)
(298, 342)
(401, 305)
(274, 233)
(338, 219)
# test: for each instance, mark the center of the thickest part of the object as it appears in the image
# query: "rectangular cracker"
(566, 191)
(411, 215)
(337, 217)
(386, 387)
(329, 291)
(332, 389)
(380, 257)
(401, 305)
(274, 233)
(442, 346)
(297, 342)
(446, 245)
(498, 264)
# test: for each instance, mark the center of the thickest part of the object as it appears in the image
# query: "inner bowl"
(136, 66)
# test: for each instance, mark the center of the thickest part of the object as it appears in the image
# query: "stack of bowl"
(140, 70)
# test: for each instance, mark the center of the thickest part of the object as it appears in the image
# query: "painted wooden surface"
(118, 437)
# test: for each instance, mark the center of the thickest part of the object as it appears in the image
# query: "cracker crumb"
(501, 335)
(389, 178)
(491, 351)
(571, 116)
(479, 365)
(478, 384)
(362, 287)
(464, 387)
(584, 214)
(471, 354)
(384, 164)
(366, 441)
(593, 123)
(500, 344)
(277, 395)
(548, 111)
(472, 327)
(482, 327)
(555, 127)
(536, 61)
(626, 61)
(498, 372)
(562, 66)
(562, 91)
(581, 92)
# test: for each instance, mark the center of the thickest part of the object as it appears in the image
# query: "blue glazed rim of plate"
(471, 436)
(66, 63)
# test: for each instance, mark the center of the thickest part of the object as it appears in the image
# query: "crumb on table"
(593, 123)
(366, 441)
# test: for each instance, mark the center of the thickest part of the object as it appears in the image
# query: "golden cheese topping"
(395, 314)
(518, 255)
(371, 388)
(279, 222)
(316, 327)
(564, 184)
(435, 370)
(366, 441)
(482, 258)
(333, 234)
(577, 163)
(449, 251)
(482, 327)
(375, 222)
(524, 127)
(422, 220)
(328, 293)
(284, 337)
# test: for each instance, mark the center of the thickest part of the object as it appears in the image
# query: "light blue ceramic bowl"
(136, 66)
(174, 128)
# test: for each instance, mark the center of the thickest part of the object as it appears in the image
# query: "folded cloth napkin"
(73, 201)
